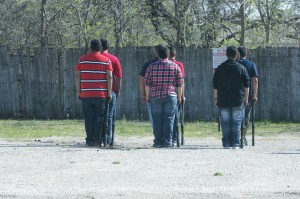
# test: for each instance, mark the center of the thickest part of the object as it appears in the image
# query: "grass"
(28, 129)
(218, 174)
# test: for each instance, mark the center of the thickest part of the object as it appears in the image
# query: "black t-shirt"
(146, 65)
(230, 79)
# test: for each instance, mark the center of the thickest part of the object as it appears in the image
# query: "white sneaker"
(236, 147)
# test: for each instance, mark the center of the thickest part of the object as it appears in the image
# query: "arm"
(109, 83)
(147, 97)
(183, 94)
(118, 86)
(78, 84)
(246, 95)
(179, 92)
(255, 88)
(216, 96)
(142, 88)
(118, 76)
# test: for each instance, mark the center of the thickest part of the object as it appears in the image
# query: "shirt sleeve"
(144, 69)
(109, 66)
(148, 76)
(245, 78)
(117, 68)
(78, 66)
(215, 79)
(254, 71)
(182, 69)
(179, 77)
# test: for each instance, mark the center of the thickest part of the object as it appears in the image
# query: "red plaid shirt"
(162, 77)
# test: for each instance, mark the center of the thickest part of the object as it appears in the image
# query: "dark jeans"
(247, 115)
(94, 114)
(176, 124)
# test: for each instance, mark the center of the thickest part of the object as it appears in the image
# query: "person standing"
(180, 64)
(116, 86)
(142, 81)
(253, 87)
(93, 86)
(163, 86)
(231, 90)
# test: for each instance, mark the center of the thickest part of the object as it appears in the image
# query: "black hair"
(231, 52)
(95, 45)
(172, 51)
(163, 52)
(243, 51)
(158, 47)
(105, 44)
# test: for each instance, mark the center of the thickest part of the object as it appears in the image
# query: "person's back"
(92, 69)
(231, 89)
(161, 80)
(93, 86)
(230, 84)
(253, 75)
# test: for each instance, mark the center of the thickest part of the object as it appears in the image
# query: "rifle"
(252, 120)
(113, 126)
(182, 124)
(176, 127)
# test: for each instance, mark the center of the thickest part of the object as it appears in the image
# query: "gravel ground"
(65, 168)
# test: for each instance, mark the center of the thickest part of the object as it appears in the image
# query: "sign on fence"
(219, 56)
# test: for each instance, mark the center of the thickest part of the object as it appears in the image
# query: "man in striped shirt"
(93, 86)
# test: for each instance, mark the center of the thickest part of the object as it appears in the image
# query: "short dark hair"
(243, 51)
(95, 45)
(158, 47)
(231, 52)
(163, 52)
(105, 44)
(172, 51)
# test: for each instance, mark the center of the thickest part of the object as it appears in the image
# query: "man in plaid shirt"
(163, 84)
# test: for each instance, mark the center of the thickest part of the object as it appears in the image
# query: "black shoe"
(245, 142)
(97, 144)
(89, 144)
(110, 144)
(157, 145)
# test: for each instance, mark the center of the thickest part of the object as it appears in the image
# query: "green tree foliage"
(201, 23)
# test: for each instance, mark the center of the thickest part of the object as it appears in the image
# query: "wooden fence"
(40, 83)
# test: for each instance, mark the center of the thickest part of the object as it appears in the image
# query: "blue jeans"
(231, 120)
(94, 114)
(112, 106)
(150, 114)
(163, 113)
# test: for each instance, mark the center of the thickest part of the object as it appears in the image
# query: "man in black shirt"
(231, 90)
(142, 80)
